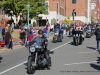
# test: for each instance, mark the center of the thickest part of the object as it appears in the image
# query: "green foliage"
(17, 6)
(93, 20)
(53, 21)
(34, 24)
(67, 20)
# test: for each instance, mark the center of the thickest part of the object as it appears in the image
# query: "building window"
(57, 8)
(93, 6)
(74, 1)
(46, 3)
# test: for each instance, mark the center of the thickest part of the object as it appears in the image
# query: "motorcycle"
(56, 38)
(77, 39)
(88, 34)
(37, 59)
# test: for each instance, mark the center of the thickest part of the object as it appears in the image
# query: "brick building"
(56, 10)
(82, 9)
(60, 9)
(95, 10)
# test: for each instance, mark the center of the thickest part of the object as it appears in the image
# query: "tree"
(34, 24)
(17, 6)
(93, 20)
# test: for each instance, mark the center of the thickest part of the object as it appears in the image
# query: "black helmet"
(40, 32)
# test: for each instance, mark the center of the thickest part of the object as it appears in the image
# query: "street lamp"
(20, 21)
(20, 15)
(11, 12)
(28, 7)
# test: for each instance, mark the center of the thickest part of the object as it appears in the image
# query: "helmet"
(40, 32)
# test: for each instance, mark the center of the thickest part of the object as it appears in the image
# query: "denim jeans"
(61, 35)
(45, 34)
(3, 37)
(48, 33)
(98, 44)
(7, 44)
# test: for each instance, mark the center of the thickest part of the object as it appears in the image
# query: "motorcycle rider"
(42, 41)
(78, 31)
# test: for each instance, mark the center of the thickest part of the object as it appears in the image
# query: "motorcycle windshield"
(36, 46)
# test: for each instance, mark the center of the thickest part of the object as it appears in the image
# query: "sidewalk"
(2, 50)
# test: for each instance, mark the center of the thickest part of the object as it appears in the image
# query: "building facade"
(95, 10)
(82, 9)
(60, 9)
(56, 10)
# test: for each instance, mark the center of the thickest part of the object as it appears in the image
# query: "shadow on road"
(1, 58)
(98, 61)
(97, 67)
(71, 43)
(44, 68)
(91, 47)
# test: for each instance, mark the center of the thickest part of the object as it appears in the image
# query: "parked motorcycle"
(37, 59)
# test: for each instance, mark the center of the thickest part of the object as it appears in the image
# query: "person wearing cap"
(41, 41)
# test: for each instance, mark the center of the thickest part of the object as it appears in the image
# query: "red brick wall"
(79, 7)
(53, 5)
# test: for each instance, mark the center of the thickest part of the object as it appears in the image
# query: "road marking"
(26, 61)
(12, 68)
(61, 46)
(80, 63)
(88, 52)
(92, 42)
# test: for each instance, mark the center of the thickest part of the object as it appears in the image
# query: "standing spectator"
(48, 31)
(3, 34)
(26, 36)
(6, 28)
(30, 35)
(10, 29)
(34, 32)
(45, 31)
(97, 33)
(8, 40)
(0, 33)
(22, 35)
(12, 25)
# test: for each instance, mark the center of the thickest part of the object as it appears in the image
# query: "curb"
(18, 46)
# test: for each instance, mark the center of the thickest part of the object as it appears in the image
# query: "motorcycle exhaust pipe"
(35, 59)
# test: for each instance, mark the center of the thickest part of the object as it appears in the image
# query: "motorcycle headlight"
(32, 49)
(76, 35)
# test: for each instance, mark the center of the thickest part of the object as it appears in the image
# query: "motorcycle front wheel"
(76, 41)
(30, 67)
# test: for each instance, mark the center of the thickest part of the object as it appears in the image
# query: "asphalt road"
(66, 60)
